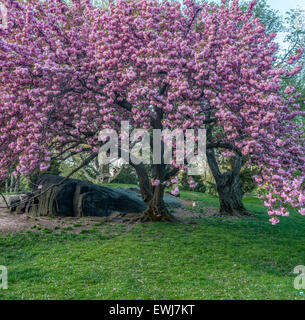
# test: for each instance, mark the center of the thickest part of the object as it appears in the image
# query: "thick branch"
(143, 177)
(223, 146)
(211, 157)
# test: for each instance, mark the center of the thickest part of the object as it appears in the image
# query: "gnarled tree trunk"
(229, 186)
(157, 210)
(153, 195)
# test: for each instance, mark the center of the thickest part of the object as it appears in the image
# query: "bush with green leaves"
(211, 188)
(246, 176)
(127, 175)
(53, 169)
(184, 185)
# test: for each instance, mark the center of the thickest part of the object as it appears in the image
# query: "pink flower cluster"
(192, 183)
(155, 183)
(175, 192)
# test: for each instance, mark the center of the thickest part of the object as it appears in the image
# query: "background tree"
(295, 38)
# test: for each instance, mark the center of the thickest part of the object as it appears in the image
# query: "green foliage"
(24, 183)
(211, 188)
(53, 169)
(246, 176)
(183, 182)
(127, 175)
(297, 173)
(295, 38)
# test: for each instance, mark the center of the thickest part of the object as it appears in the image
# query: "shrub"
(246, 176)
(183, 182)
(127, 175)
(211, 188)
(53, 169)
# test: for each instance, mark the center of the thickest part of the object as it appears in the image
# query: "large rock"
(18, 203)
(77, 198)
(13, 202)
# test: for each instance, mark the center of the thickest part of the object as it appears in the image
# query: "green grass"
(219, 258)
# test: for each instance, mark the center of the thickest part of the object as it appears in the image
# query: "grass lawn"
(218, 258)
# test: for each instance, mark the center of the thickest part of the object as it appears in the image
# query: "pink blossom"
(175, 192)
(289, 90)
(302, 211)
(274, 221)
(155, 183)
(175, 180)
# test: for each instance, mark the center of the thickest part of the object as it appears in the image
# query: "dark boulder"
(13, 202)
(73, 197)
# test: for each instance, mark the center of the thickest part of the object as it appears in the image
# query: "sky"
(283, 6)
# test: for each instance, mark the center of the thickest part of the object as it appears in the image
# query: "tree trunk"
(230, 192)
(17, 184)
(157, 210)
(153, 195)
(6, 185)
(12, 183)
(229, 187)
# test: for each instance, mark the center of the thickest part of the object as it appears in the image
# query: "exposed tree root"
(155, 215)
(235, 213)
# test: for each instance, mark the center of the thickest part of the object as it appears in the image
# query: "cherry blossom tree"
(67, 71)
(251, 115)
(229, 184)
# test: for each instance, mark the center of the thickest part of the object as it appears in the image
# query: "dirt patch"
(185, 213)
(12, 222)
